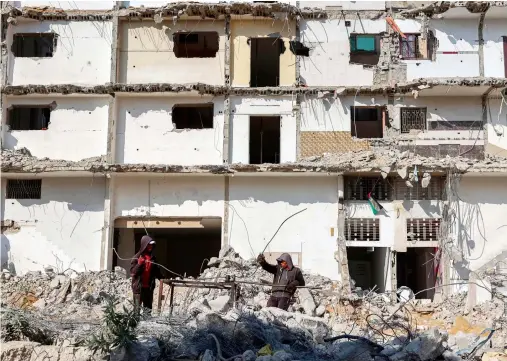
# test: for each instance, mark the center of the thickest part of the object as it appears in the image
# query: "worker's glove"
(140, 260)
(261, 258)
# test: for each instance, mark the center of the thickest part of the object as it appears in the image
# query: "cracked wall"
(82, 56)
(77, 129)
(147, 53)
(61, 229)
(145, 132)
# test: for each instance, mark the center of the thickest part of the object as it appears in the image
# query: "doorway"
(264, 140)
(265, 61)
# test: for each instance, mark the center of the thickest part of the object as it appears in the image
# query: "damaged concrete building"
(209, 124)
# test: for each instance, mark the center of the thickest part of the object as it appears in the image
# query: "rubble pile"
(385, 158)
(55, 314)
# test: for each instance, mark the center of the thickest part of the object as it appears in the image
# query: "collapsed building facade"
(208, 125)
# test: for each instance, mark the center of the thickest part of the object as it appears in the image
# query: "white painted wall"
(258, 205)
(77, 129)
(145, 133)
(243, 108)
(452, 35)
(442, 109)
(328, 63)
(331, 114)
(494, 60)
(62, 229)
(147, 53)
(82, 56)
(479, 219)
(171, 196)
(497, 126)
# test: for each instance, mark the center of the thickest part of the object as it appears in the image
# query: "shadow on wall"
(469, 220)
(273, 190)
(4, 255)
(322, 109)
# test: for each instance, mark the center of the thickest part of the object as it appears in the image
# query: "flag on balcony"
(375, 206)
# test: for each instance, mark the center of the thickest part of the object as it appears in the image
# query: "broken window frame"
(210, 107)
(407, 128)
(33, 124)
(405, 43)
(200, 48)
(23, 189)
(18, 49)
(381, 112)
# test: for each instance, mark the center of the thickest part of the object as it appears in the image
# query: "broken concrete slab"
(427, 346)
(307, 302)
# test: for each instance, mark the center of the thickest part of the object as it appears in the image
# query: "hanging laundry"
(376, 207)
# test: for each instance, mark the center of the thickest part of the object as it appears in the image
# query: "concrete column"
(225, 220)
(394, 275)
(106, 254)
(481, 43)
(227, 101)
(341, 253)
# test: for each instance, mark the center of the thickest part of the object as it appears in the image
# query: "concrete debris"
(378, 159)
(426, 180)
(205, 89)
(241, 330)
(403, 172)
(440, 7)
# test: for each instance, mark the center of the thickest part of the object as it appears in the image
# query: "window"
(24, 189)
(414, 46)
(29, 118)
(193, 116)
(413, 119)
(363, 43)
(362, 229)
(410, 46)
(196, 44)
(357, 188)
(264, 140)
(423, 229)
(366, 122)
(35, 45)
(364, 49)
(265, 61)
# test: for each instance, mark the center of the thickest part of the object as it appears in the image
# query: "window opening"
(192, 116)
(357, 188)
(364, 49)
(265, 61)
(414, 46)
(366, 122)
(34, 45)
(24, 188)
(413, 119)
(264, 140)
(363, 43)
(196, 44)
(362, 229)
(29, 118)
